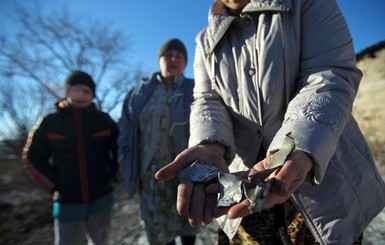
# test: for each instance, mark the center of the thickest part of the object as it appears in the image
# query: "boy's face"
(80, 95)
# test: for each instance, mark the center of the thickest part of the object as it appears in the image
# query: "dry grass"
(369, 106)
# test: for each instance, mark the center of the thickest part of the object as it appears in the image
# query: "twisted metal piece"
(232, 188)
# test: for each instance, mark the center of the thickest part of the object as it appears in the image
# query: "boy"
(72, 154)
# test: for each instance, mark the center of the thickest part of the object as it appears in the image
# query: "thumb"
(168, 171)
(181, 161)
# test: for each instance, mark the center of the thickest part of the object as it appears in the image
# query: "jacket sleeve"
(326, 85)
(125, 132)
(127, 152)
(36, 154)
(113, 148)
(210, 120)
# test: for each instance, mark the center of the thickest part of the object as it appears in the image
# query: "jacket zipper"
(81, 157)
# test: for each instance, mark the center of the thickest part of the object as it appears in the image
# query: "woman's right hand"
(193, 201)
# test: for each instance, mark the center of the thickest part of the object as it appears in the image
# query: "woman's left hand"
(286, 180)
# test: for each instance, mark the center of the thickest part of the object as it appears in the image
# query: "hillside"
(369, 106)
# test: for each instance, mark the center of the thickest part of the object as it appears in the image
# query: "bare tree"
(21, 106)
(36, 57)
(45, 48)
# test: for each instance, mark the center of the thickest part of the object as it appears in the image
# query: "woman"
(264, 69)
(154, 129)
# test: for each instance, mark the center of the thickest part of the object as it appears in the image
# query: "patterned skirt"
(282, 224)
(158, 208)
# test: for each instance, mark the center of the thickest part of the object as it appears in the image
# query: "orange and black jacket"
(73, 151)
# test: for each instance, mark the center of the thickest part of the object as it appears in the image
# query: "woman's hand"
(286, 180)
(193, 201)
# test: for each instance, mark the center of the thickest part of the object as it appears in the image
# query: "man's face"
(172, 63)
(80, 95)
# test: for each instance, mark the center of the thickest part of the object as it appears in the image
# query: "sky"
(150, 22)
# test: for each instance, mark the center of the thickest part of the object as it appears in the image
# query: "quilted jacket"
(289, 66)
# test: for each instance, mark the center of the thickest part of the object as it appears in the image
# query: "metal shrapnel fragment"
(230, 189)
(258, 188)
(256, 192)
(199, 172)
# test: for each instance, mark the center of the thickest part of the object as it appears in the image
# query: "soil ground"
(26, 219)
